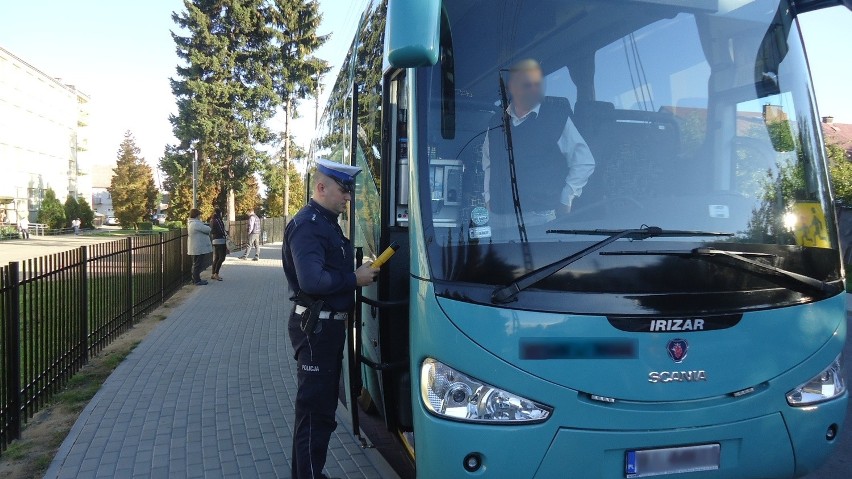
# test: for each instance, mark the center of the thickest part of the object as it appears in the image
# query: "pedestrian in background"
(197, 244)
(75, 223)
(24, 227)
(220, 242)
(253, 236)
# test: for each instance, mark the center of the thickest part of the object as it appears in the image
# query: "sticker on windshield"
(479, 216)
(720, 211)
(480, 232)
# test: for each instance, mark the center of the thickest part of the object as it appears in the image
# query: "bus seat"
(632, 151)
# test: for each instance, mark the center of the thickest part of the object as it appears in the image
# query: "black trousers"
(197, 260)
(218, 257)
(319, 359)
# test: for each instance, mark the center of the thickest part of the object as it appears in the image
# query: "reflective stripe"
(324, 314)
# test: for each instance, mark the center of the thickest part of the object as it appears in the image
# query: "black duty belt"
(324, 314)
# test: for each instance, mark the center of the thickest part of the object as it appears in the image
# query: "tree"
(277, 183)
(840, 170)
(51, 211)
(225, 93)
(85, 213)
(72, 210)
(132, 189)
(248, 198)
(296, 23)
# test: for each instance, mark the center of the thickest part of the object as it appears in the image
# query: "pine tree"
(72, 210)
(296, 25)
(132, 189)
(225, 93)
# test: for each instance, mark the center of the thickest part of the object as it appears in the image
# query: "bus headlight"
(828, 384)
(452, 394)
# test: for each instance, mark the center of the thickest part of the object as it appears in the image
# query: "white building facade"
(42, 138)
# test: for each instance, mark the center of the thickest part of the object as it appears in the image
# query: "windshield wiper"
(742, 259)
(505, 294)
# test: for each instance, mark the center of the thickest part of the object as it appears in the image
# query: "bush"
(145, 226)
(174, 225)
(51, 213)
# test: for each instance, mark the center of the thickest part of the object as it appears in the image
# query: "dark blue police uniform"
(318, 261)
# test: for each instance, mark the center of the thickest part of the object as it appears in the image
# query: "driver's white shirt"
(581, 164)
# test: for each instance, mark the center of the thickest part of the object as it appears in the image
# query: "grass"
(31, 455)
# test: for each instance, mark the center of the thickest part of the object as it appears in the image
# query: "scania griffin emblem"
(677, 349)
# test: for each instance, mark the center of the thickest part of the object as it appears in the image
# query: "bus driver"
(552, 160)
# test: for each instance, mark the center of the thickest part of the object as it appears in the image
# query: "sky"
(121, 53)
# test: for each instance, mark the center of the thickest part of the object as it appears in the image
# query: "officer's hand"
(366, 274)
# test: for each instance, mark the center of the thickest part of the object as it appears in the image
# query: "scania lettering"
(585, 192)
(676, 376)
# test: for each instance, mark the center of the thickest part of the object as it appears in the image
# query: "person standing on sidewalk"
(253, 236)
(319, 263)
(24, 227)
(220, 242)
(75, 223)
(197, 244)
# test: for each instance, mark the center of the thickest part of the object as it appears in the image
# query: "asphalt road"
(840, 463)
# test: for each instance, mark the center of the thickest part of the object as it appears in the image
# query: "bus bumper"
(759, 447)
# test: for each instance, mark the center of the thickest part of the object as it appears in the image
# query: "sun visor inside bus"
(413, 33)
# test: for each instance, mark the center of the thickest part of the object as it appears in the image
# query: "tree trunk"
(287, 105)
(232, 207)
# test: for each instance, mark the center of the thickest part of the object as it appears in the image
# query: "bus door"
(380, 327)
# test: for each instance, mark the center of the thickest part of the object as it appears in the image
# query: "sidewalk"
(209, 393)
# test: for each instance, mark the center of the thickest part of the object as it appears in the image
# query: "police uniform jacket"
(318, 258)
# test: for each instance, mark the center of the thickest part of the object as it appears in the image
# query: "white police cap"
(338, 171)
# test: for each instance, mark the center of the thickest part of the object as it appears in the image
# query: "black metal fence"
(57, 310)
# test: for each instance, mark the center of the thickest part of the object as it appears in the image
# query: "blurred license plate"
(671, 460)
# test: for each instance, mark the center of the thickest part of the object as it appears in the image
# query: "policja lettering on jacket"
(319, 265)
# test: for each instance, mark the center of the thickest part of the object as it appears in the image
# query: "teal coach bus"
(618, 252)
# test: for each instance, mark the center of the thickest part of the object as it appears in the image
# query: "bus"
(637, 276)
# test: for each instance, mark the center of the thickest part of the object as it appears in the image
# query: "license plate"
(671, 460)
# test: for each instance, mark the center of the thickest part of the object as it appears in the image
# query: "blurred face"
(331, 195)
(527, 88)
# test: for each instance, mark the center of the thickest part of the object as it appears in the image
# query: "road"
(19, 250)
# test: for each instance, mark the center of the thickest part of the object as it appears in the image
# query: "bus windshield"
(610, 115)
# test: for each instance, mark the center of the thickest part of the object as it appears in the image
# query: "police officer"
(319, 265)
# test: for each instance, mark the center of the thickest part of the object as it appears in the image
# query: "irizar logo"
(676, 376)
(677, 325)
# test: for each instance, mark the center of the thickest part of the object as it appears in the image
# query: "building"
(837, 133)
(42, 137)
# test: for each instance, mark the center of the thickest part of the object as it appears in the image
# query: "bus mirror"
(803, 6)
(413, 33)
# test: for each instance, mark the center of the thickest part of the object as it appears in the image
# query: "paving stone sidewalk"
(208, 394)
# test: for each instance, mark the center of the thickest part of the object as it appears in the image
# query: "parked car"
(111, 221)
(158, 219)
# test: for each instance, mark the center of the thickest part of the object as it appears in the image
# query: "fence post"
(84, 304)
(162, 268)
(129, 245)
(13, 351)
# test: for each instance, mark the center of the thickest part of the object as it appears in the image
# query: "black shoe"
(256, 259)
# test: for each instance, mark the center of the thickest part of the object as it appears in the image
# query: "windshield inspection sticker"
(479, 216)
(480, 232)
